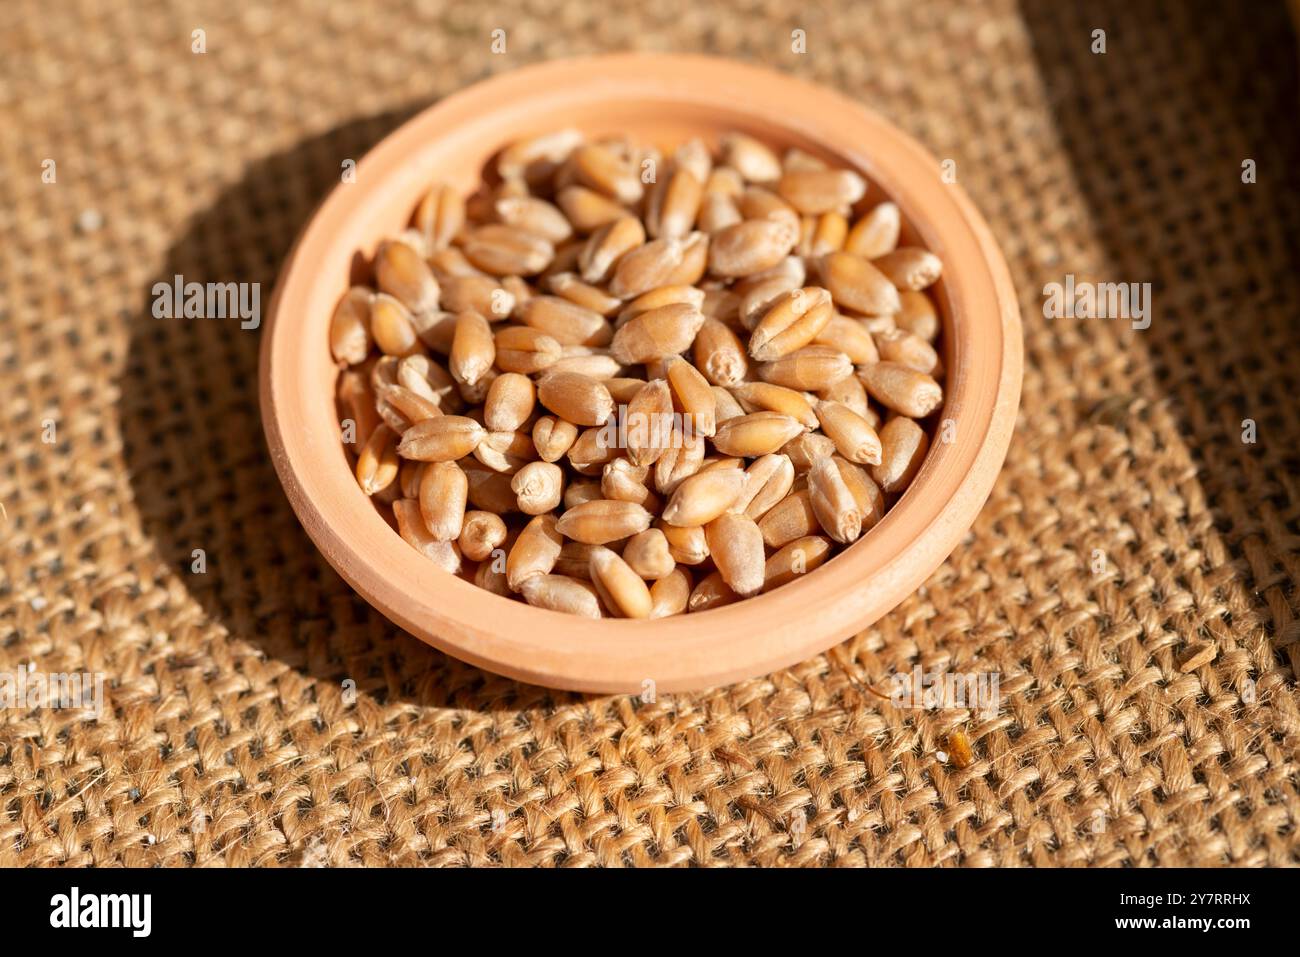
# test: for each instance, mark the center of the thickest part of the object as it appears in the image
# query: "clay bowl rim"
(686, 652)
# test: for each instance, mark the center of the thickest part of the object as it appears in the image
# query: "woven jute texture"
(1132, 580)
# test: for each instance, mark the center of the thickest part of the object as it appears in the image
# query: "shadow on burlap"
(229, 738)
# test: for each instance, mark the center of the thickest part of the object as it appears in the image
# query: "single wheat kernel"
(534, 551)
(605, 171)
(607, 245)
(535, 216)
(755, 434)
(450, 262)
(575, 397)
(669, 594)
(539, 487)
(350, 327)
(648, 554)
(569, 286)
(832, 502)
(473, 349)
(765, 397)
(649, 422)
(427, 378)
(566, 322)
(442, 439)
(858, 285)
(717, 212)
(402, 272)
(792, 517)
(759, 203)
(603, 521)
(853, 436)
(908, 349)
(488, 489)
(622, 389)
(559, 593)
(918, 315)
(525, 350)
(809, 369)
(906, 391)
(657, 334)
(828, 234)
(440, 216)
(480, 533)
(590, 452)
(505, 451)
(357, 406)
(377, 464)
(679, 205)
(821, 191)
(622, 481)
(444, 490)
(410, 525)
(726, 405)
(482, 294)
(660, 297)
(876, 233)
(619, 587)
(870, 499)
(594, 365)
(647, 267)
(909, 267)
(751, 246)
(851, 337)
(711, 592)
(409, 475)
(736, 545)
(678, 462)
(575, 560)
(719, 355)
(553, 437)
(686, 543)
(767, 481)
(753, 160)
(795, 560)
(582, 490)
(793, 321)
(510, 401)
(704, 496)
(392, 327)
(850, 392)
(904, 446)
(502, 250)
(693, 395)
(491, 577)
(587, 209)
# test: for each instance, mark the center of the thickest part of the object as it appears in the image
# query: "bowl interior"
(661, 100)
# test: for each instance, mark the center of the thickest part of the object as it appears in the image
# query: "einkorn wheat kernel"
(615, 398)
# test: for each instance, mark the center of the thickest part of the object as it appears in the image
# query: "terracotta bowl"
(663, 100)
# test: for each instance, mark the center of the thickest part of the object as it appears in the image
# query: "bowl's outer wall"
(665, 100)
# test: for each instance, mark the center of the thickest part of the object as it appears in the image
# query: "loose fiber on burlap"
(1132, 580)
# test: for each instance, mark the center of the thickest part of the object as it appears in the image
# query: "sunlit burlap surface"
(1132, 580)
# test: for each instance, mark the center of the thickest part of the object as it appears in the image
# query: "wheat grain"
(684, 371)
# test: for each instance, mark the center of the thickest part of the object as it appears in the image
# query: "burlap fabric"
(1132, 579)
